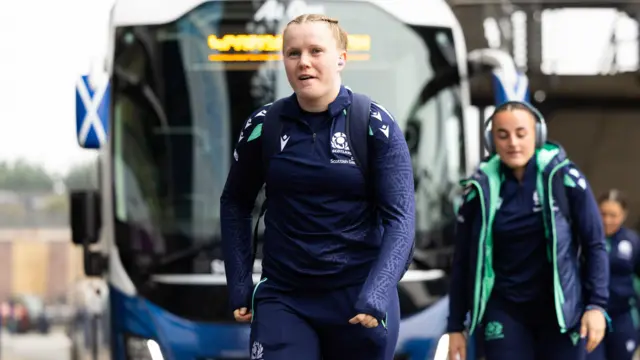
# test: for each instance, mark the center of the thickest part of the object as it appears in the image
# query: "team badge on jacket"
(340, 151)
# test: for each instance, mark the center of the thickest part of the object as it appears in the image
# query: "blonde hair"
(338, 32)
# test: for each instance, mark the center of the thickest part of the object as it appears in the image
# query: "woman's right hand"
(242, 315)
(457, 346)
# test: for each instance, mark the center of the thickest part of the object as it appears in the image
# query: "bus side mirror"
(85, 216)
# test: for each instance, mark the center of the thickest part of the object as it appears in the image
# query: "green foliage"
(22, 176)
(82, 176)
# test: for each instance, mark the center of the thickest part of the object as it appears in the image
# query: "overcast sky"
(43, 53)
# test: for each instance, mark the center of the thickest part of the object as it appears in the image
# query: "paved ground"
(54, 346)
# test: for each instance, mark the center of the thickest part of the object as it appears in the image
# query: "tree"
(22, 176)
(82, 176)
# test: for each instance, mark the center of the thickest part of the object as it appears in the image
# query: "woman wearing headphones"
(528, 226)
(623, 246)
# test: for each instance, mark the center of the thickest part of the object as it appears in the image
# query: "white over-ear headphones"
(541, 126)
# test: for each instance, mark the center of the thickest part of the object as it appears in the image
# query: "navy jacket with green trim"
(573, 230)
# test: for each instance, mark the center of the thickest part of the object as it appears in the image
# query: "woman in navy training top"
(334, 251)
(624, 261)
(516, 269)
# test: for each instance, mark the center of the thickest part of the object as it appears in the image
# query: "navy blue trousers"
(527, 331)
(315, 326)
(621, 342)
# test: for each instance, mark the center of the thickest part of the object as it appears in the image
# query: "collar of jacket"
(292, 109)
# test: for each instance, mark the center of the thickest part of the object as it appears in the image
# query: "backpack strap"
(357, 130)
(562, 199)
(564, 206)
(271, 130)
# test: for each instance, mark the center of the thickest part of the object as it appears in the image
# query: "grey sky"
(43, 53)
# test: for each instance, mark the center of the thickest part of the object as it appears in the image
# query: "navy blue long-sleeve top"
(323, 228)
(521, 265)
(624, 262)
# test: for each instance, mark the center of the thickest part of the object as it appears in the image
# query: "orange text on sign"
(271, 43)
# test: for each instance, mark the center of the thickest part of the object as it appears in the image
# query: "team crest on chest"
(340, 151)
(537, 206)
(339, 144)
(625, 249)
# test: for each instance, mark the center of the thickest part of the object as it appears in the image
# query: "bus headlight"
(442, 350)
(143, 349)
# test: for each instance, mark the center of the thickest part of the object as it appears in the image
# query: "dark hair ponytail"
(614, 195)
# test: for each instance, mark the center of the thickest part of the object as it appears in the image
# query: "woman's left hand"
(366, 320)
(593, 325)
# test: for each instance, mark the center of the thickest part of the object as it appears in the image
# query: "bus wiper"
(175, 257)
(133, 81)
(441, 81)
(187, 253)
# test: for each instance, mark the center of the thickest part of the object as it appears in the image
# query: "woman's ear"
(342, 60)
